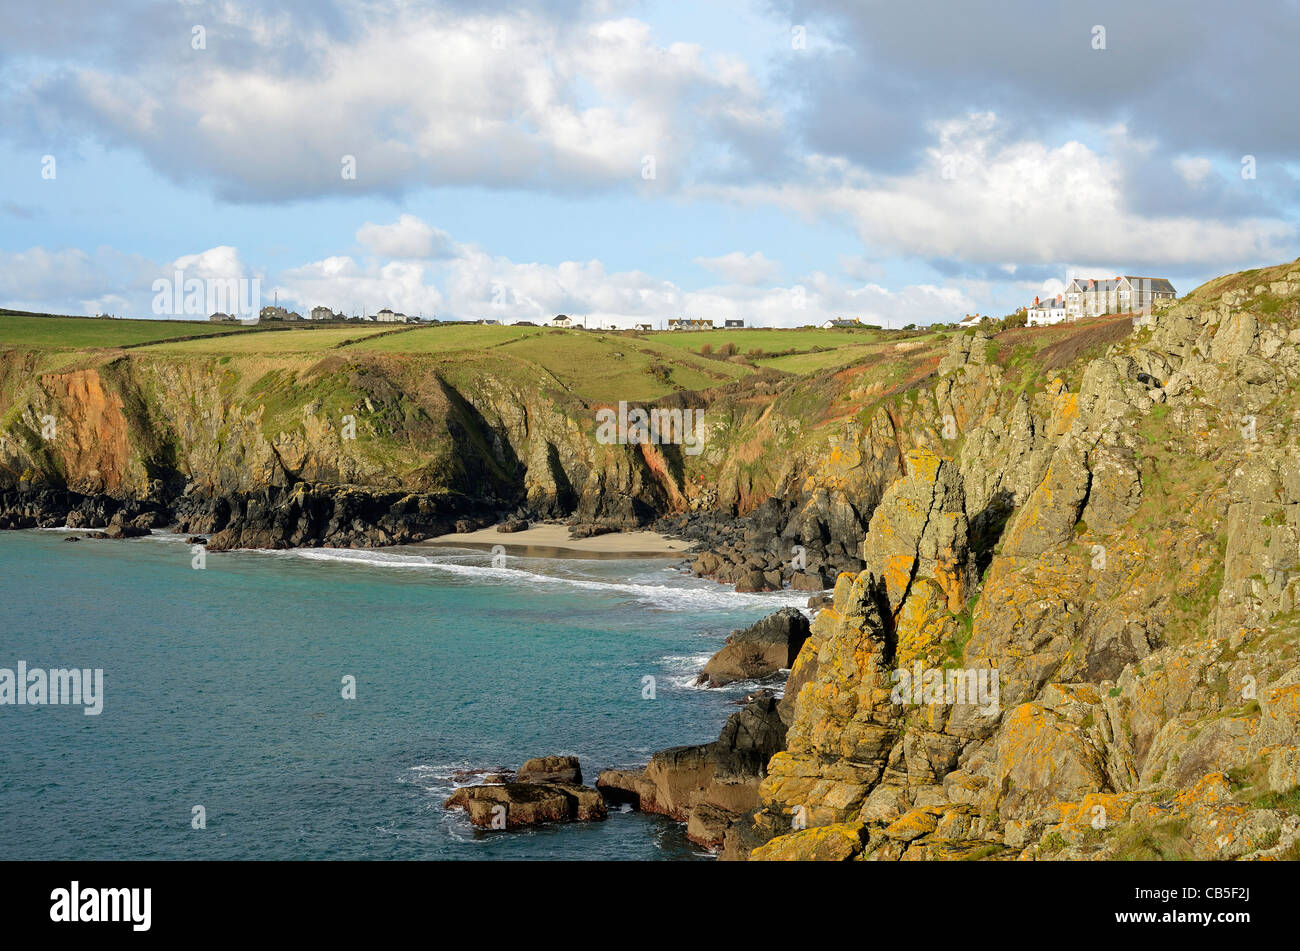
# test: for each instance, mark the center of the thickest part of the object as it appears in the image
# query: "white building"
(1043, 312)
(387, 316)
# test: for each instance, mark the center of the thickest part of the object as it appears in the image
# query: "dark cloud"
(1194, 76)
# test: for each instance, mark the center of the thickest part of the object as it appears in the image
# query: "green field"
(445, 338)
(87, 333)
(271, 342)
(595, 365)
(768, 340)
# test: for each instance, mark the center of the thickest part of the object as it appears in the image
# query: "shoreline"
(553, 541)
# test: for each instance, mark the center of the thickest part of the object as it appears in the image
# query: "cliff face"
(1106, 574)
(142, 426)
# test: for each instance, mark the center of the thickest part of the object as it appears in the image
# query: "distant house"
(1125, 294)
(486, 321)
(219, 317)
(524, 323)
(387, 316)
(1043, 312)
(689, 323)
(563, 320)
(841, 323)
(970, 320)
(278, 313)
(645, 327)
(322, 312)
(732, 323)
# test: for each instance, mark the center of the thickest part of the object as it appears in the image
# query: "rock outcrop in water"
(710, 785)
(546, 789)
(766, 647)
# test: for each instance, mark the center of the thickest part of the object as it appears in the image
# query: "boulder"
(721, 777)
(513, 805)
(551, 769)
(762, 649)
(838, 842)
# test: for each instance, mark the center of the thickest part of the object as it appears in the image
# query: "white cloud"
(408, 237)
(985, 201)
(473, 284)
(220, 263)
(1194, 170)
(342, 284)
(423, 97)
(73, 281)
(741, 268)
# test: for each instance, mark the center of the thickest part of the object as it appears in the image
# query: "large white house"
(1126, 294)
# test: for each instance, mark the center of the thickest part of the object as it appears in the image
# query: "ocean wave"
(683, 596)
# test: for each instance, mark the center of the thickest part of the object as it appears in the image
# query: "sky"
(779, 161)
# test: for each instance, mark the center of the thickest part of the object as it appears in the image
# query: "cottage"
(563, 320)
(689, 323)
(1086, 297)
(387, 316)
(841, 323)
(645, 327)
(733, 324)
(278, 313)
(1043, 312)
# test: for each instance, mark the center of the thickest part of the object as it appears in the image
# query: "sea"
(323, 703)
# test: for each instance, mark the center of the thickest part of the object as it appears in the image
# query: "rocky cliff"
(1074, 634)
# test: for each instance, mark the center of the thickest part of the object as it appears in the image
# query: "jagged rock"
(723, 775)
(516, 804)
(551, 769)
(920, 529)
(758, 651)
(838, 842)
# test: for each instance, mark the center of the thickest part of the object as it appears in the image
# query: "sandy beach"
(549, 541)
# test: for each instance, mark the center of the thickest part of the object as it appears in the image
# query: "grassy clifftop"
(461, 407)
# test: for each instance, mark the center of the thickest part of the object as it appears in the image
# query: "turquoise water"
(223, 688)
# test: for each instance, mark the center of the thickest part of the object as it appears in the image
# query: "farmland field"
(85, 333)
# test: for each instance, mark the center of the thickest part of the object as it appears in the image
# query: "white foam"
(687, 595)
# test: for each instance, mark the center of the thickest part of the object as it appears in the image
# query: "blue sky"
(902, 163)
